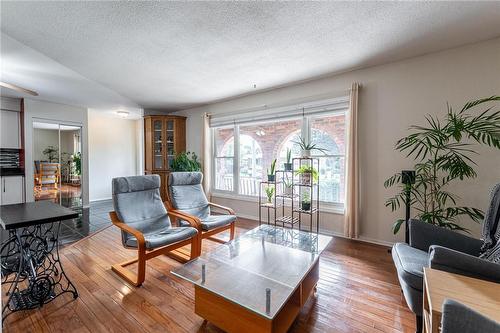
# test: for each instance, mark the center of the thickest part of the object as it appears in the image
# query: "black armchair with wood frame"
(187, 198)
(145, 225)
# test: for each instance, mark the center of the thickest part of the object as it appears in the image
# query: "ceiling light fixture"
(122, 114)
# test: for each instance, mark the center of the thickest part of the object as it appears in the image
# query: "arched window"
(323, 140)
(250, 157)
(289, 143)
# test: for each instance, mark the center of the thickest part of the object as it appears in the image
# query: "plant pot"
(271, 178)
(288, 190)
(306, 153)
(287, 166)
(305, 205)
(305, 178)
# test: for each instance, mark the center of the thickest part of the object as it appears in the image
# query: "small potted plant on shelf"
(270, 194)
(307, 173)
(287, 185)
(305, 203)
(307, 147)
(288, 165)
(271, 175)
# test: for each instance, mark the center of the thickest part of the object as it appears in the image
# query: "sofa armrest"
(457, 262)
(423, 235)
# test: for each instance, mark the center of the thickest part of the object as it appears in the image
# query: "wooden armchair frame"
(144, 254)
(196, 222)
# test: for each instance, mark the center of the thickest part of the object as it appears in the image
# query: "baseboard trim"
(100, 199)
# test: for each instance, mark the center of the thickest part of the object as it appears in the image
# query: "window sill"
(324, 207)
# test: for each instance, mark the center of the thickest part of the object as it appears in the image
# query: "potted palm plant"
(442, 153)
(288, 165)
(269, 194)
(305, 203)
(307, 147)
(271, 174)
(307, 173)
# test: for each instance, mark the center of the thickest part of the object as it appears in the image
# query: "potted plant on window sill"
(269, 193)
(288, 165)
(305, 203)
(307, 174)
(271, 176)
(307, 147)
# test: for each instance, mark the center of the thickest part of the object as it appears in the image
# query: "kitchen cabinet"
(10, 129)
(12, 190)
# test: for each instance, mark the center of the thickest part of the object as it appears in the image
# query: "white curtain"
(351, 217)
(206, 155)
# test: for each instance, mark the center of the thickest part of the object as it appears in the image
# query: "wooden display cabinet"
(164, 136)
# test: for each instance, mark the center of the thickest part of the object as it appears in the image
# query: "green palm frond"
(443, 152)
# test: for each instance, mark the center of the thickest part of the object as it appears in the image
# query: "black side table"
(31, 272)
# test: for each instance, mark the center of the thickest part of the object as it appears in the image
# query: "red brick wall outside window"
(261, 143)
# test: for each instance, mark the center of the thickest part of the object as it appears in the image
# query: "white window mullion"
(306, 130)
(236, 160)
(213, 160)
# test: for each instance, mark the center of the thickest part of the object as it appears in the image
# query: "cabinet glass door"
(170, 142)
(158, 145)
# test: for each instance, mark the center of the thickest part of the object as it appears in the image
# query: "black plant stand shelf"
(298, 215)
(31, 271)
(299, 186)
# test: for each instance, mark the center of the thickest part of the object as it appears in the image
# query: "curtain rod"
(338, 94)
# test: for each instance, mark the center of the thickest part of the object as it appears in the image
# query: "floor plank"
(357, 292)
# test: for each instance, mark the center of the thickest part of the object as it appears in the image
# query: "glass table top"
(266, 259)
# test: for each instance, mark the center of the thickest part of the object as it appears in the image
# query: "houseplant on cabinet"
(185, 161)
(443, 152)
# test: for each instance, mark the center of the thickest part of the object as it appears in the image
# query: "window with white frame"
(243, 152)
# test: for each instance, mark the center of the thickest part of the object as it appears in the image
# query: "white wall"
(42, 138)
(114, 151)
(40, 111)
(392, 97)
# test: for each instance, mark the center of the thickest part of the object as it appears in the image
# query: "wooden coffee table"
(257, 282)
(481, 296)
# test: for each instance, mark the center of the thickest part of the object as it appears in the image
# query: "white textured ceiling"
(171, 55)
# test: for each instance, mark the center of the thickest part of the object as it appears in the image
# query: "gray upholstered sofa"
(435, 247)
(460, 318)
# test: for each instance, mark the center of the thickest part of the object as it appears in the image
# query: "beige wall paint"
(113, 152)
(44, 138)
(392, 97)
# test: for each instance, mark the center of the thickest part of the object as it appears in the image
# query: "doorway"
(57, 163)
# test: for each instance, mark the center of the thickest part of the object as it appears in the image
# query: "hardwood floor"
(357, 292)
